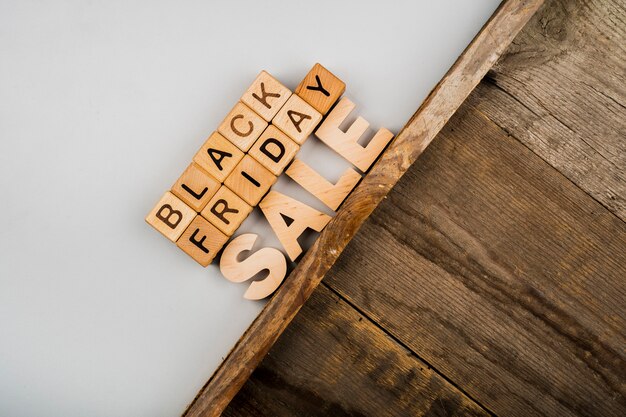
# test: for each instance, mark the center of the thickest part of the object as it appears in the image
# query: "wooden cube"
(266, 96)
(202, 241)
(242, 126)
(297, 119)
(195, 187)
(170, 216)
(274, 150)
(218, 156)
(321, 88)
(250, 180)
(226, 210)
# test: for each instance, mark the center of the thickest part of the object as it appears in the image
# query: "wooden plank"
(331, 361)
(443, 101)
(500, 273)
(560, 90)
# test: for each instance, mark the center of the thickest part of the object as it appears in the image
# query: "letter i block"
(242, 126)
(274, 150)
(226, 211)
(297, 119)
(170, 216)
(266, 96)
(250, 180)
(195, 187)
(321, 88)
(202, 241)
(218, 156)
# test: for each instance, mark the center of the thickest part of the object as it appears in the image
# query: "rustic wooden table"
(492, 280)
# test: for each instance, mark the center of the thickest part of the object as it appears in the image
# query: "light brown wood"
(170, 216)
(328, 193)
(266, 96)
(420, 130)
(299, 217)
(195, 187)
(201, 240)
(242, 126)
(346, 143)
(269, 259)
(250, 180)
(297, 119)
(218, 156)
(321, 88)
(226, 210)
(274, 150)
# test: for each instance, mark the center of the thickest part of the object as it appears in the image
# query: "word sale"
(236, 167)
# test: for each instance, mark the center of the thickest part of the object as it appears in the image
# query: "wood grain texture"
(560, 90)
(500, 273)
(332, 361)
(443, 101)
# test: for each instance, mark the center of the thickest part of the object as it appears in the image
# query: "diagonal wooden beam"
(417, 134)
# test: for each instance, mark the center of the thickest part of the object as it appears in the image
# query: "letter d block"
(170, 216)
(242, 126)
(266, 96)
(202, 241)
(274, 150)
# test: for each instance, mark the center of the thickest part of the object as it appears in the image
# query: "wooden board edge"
(447, 96)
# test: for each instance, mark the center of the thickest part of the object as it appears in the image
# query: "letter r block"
(170, 216)
(226, 211)
(266, 96)
(242, 126)
(202, 241)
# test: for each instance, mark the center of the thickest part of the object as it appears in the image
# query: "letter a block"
(218, 156)
(250, 180)
(320, 88)
(274, 150)
(266, 96)
(242, 126)
(297, 119)
(226, 211)
(202, 241)
(195, 187)
(170, 216)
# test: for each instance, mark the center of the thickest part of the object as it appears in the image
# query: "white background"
(102, 106)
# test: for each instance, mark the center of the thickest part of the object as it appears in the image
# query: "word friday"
(236, 167)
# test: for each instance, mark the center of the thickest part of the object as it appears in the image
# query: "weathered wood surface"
(443, 101)
(561, 90)
(332, 361)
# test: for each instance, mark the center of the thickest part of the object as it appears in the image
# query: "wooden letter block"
(195, 187)
(289, 218)
(242, 126)
(218, 156)
(238, 271)
(250, 180)
(274, 150)
(266, 96)
(328, 193)
(297, 119)
(321, 89)
(202, 241)
(226, 211)
(170, 216)
(346, 143)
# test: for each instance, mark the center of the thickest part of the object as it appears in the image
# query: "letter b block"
(170, 216)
